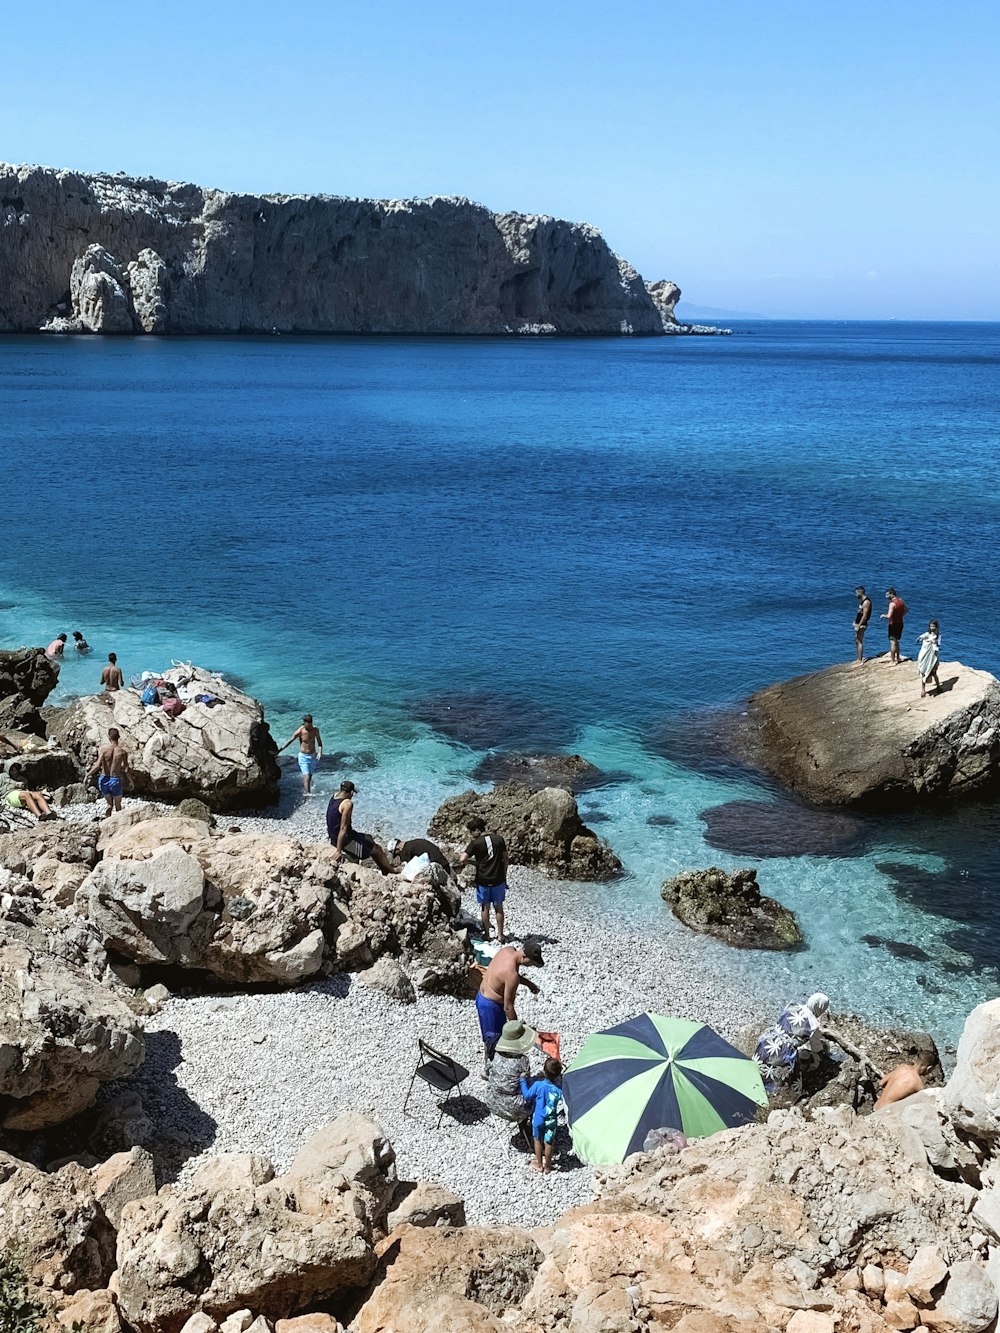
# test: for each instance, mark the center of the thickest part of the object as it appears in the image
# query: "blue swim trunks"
(491, 1020)
(307, 763)
(109, 786)
(492, 895)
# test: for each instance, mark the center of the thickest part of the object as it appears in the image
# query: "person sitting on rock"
(346, 841)
(905, 1080)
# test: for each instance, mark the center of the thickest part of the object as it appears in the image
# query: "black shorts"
(895, 633)
(359, 845)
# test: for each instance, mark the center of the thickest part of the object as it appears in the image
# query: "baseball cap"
(532, 951)
(347, 785)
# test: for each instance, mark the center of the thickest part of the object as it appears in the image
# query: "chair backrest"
(450, 1067)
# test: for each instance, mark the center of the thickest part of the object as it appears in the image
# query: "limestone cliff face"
(110, 254)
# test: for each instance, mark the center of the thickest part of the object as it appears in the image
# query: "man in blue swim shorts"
(497, 994)
(489, 851)
(310, 750)
(112, 761)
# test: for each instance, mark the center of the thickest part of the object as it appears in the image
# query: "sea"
(447, 549)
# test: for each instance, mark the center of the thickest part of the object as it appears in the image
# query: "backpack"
(150, 695)
(173, 707)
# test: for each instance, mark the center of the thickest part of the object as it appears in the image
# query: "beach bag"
(414, 866)
(173, 707)
(149, 696)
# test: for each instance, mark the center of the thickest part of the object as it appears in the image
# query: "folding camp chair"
(438, 1071)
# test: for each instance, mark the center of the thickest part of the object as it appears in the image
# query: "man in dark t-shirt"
(406, 851)
(489, 851)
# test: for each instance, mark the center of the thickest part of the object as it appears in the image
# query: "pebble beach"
(258, 1072)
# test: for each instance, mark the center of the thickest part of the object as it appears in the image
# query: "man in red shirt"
(897, 610)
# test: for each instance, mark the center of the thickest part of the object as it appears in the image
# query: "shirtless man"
(111, 676)
(498, 991)
(861, 621)
(905, 1080)
(310, 750)
(112, 760)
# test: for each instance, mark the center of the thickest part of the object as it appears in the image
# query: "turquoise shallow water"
(572, 545)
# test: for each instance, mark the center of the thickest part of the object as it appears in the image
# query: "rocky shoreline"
(209, 1028)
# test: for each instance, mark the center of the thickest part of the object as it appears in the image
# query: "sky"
(788, 158)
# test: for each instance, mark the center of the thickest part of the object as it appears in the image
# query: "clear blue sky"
(788, 157)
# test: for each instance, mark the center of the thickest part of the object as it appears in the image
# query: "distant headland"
(95, 253)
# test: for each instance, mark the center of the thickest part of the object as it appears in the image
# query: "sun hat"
(516, 1038)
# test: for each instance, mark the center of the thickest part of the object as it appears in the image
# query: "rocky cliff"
(111, 254)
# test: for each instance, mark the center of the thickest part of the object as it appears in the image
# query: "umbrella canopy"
(653, 1072)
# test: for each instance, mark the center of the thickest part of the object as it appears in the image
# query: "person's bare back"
(111, 676)
(903, 1081)
(503, 975)
(112, 760)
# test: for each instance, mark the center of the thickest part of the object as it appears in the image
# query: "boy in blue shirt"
(546, 1094)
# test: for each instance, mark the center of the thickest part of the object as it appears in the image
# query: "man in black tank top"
(489, 851)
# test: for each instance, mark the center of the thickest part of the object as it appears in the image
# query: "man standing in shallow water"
(310, 750)
(111, 676)
(861, 620)
(112, 760)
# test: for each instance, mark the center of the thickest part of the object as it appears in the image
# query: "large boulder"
(55, 1225)
(56, 857)
(730, 906)
(238, 1239)
(223, 754)
(256, 907)
(541, 828)
(27, 678)
(972, 1094)
(61, 1035)
(30, 917)
(862, 736)
(245, 907)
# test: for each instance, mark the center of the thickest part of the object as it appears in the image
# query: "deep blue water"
(596, 540)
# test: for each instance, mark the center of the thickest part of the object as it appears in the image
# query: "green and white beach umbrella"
(650, 1073)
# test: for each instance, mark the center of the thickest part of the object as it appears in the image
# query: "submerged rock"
(221, 754)
(862, 736)
(542, 829)
(782, 828)
(732, 908)
(571, 771)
